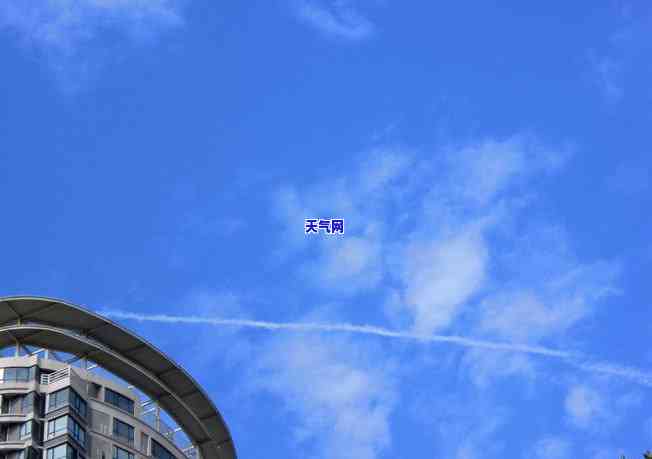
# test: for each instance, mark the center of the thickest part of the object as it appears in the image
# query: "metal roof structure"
(55, 324)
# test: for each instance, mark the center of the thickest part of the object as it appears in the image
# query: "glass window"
(119, 453)
(67, 396)
(27, 403)
(119, 400)
(78, 403)
(65, 424)
(58, 452)
(123, 430)
(26, 430)
(27, 453)
(58, 399)
(160, 452)
(76, 431)
(63, 451)
(57, 426)
(14, 374)
(12, 405)
(144, 442)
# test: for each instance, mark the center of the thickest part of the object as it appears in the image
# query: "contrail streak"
(574, 359)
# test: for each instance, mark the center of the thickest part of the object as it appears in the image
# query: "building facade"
(65, 408)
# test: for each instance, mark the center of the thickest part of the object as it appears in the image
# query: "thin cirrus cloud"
(427, 226)
(552, 447)
(65, 24)
(71, 35)
(443, 236)
(339, 20)
(575, 359)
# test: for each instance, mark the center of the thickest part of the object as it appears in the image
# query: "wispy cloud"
(618, 63)
(573, 358)
(607, 71)
(552, 448)
(342, 420)
(585, 405)
(426, 226)
(594, 405)
(65, 24)
(65, 30)
(336, 19)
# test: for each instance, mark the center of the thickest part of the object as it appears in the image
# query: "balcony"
(18, 385)
(11, 416)
(12, 441)
(11, 445)
(51, 378)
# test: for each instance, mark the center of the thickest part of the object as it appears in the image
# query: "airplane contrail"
(574, 359)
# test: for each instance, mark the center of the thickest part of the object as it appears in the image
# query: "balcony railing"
(14, 412)
(51, 378)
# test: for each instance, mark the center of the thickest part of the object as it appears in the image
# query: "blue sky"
(491, 163)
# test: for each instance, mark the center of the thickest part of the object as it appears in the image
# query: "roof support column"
(158, 417)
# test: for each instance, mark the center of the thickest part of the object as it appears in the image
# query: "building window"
(78, 403)
(67, 424)
(28, 402)
(57, 426)
(159, 452)
(67, 396)
(63, 451)
(58, 399)
(27, 453)
(119, 453)
(76, 431)
(13, 374)
(26, 430)
(119, 400)
(18, 404)
(18, 454)
(123, 431)
(144, 443)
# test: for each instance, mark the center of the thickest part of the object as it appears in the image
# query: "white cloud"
(460, 432)
(68, 32)
(484, 368)
(585, 406)
(534, 312)
(477, 174)
(341, 393)
(485, 169)
(605, 452)
(63, 24)
(337, 19)
(620, 60)
(440, 276)
(552, 448)
(607, 72)
(443, 238)
(383, 167)
(597, 406)
(353, 263)
(424, 225)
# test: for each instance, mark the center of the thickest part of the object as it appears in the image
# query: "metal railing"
(14, 411)
(51, 378)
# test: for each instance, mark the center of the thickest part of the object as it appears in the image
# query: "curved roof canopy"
(57, 325)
